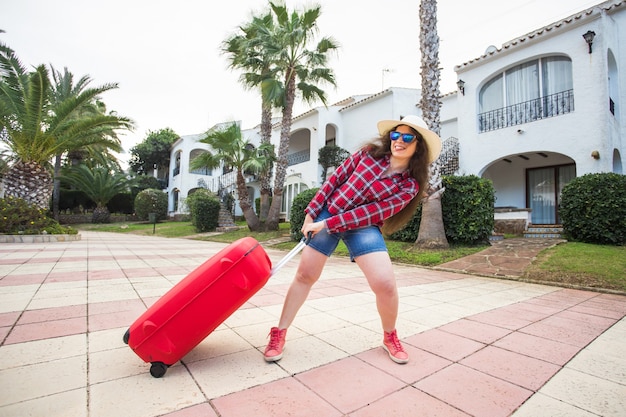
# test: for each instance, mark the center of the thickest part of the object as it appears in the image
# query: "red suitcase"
(193, 308)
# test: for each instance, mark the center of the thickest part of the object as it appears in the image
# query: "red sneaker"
(393, 346)
(274, 349)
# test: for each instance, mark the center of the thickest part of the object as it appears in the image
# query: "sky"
(165, 55)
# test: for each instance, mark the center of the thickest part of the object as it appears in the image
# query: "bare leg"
(378, 270)
(309, 270)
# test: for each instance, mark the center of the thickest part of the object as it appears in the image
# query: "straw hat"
(433, 142)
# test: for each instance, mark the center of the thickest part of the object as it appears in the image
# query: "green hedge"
(297, 215)
(467, 210)
(151, 201)
(593, 209)
(204, 208)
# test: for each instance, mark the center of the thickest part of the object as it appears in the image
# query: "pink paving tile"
(538, 347)
(140, 272)
(421, 363)
(106, 274)
(498, 317)
(285, 397)
(569, 295)
(564, 330)
(603, 306)
(591, 320)
(530, 312)
(54, 313)
(446, 345)
(27, 279)
(9, 319)
(513, 367)
(47, 330)
(480, 332)
(408, 402)
(347, 384)
(69, 276)
(200, 410)
(4, 331)
(115, 319)
(474, 392)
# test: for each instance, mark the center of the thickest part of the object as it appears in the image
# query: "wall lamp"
(589, 35)
(461, 85)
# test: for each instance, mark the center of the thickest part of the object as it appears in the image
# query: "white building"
(530, 116)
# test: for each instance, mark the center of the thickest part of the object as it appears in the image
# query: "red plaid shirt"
(358, 195)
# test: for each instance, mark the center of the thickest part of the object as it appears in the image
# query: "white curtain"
(522, 83)
(541, 193)
(557, 75)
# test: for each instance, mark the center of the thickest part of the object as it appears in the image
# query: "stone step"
(545, 231)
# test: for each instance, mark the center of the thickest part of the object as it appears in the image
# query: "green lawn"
(571, 263)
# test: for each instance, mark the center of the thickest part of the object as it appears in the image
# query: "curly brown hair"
(418, 169)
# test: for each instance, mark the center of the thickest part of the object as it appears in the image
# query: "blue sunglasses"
(406, 137)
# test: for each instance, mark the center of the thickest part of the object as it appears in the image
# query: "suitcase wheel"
(126, 336)
(158, 369)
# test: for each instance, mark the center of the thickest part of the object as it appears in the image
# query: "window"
(527, 92)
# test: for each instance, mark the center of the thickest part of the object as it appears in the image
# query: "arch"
(617, 162)
(194, 153)
(531, 180)
(526, 91)
(614, 106)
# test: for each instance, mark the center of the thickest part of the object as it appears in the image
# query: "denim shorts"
(358, 241)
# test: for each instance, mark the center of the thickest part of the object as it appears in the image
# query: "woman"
(374, 192)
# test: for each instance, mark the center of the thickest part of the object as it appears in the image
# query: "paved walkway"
(479, 346)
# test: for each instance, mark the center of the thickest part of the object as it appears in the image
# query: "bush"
(204, 208)
(593, 209)
(467, 207)
(297, 214)
(20, 217)
(151, 201)
(121, 203)
(467, 210)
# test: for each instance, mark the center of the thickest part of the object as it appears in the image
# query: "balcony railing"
(299, 157)
(528, 111)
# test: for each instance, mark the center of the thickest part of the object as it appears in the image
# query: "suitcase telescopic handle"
(303, 242)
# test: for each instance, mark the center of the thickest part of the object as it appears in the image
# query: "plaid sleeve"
(374, 213)
(337, 178)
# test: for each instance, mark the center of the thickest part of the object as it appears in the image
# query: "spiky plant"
(36, 127)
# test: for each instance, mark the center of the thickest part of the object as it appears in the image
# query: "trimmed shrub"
(593, 209)
(151, 201)
(467, 210)
(204, 208)
(297, 215)
(17, 216)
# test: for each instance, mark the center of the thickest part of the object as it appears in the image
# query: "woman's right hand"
(312, 226)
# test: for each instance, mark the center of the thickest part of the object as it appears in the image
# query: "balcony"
(299, 157)
(528, 111)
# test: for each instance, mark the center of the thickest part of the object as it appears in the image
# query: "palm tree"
(231, 150)
(431, 232)
(100, 184)
(296, 69)
(37, 128)
(245, 52)
(64, 88)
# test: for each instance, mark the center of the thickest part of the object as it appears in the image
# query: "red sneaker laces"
(274, 339)
(393, 338)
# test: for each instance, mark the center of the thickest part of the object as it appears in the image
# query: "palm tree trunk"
(244, 203)
(56, 187)
(266, 175)
(432, 233)
(283, 149)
